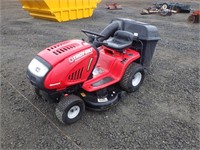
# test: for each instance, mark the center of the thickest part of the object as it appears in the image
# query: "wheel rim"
(73, 112)
(164, 6)
(137, 78)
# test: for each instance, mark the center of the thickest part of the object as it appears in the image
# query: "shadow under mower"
(94, 74)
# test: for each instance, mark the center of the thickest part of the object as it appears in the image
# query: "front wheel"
(133, 77)
(70, 109)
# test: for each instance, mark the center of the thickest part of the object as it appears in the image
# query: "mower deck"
(99, 103)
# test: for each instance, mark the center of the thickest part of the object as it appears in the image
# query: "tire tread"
(124, 83)
(63, 104)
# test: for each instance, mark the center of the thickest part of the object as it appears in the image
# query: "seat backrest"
(107, 32)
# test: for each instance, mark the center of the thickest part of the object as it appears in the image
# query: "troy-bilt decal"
(80, 55)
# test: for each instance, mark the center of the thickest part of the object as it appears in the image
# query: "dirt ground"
(163, 114)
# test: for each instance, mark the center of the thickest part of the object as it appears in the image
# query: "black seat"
(120, 40)
(107, 32)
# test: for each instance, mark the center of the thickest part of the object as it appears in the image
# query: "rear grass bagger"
(77, 74)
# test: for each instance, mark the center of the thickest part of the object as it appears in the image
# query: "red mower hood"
(60, 51)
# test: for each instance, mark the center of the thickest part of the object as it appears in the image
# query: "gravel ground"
(163, 114)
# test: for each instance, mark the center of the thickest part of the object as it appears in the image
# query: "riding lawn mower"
(95, 74)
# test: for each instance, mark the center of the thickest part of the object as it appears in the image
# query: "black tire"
(134, 72)
(164, 6)
(70, 109)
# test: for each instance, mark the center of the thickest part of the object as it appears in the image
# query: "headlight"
(37, 68)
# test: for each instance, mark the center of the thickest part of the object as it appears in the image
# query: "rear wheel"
(133, 77)
(70, 109)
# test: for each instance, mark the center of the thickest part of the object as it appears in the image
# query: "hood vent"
(61, 48)
(76, 75)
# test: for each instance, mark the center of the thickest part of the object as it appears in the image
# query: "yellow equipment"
(60, 10)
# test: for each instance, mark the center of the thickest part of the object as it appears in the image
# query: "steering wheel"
(93, 35)
(90, 33)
